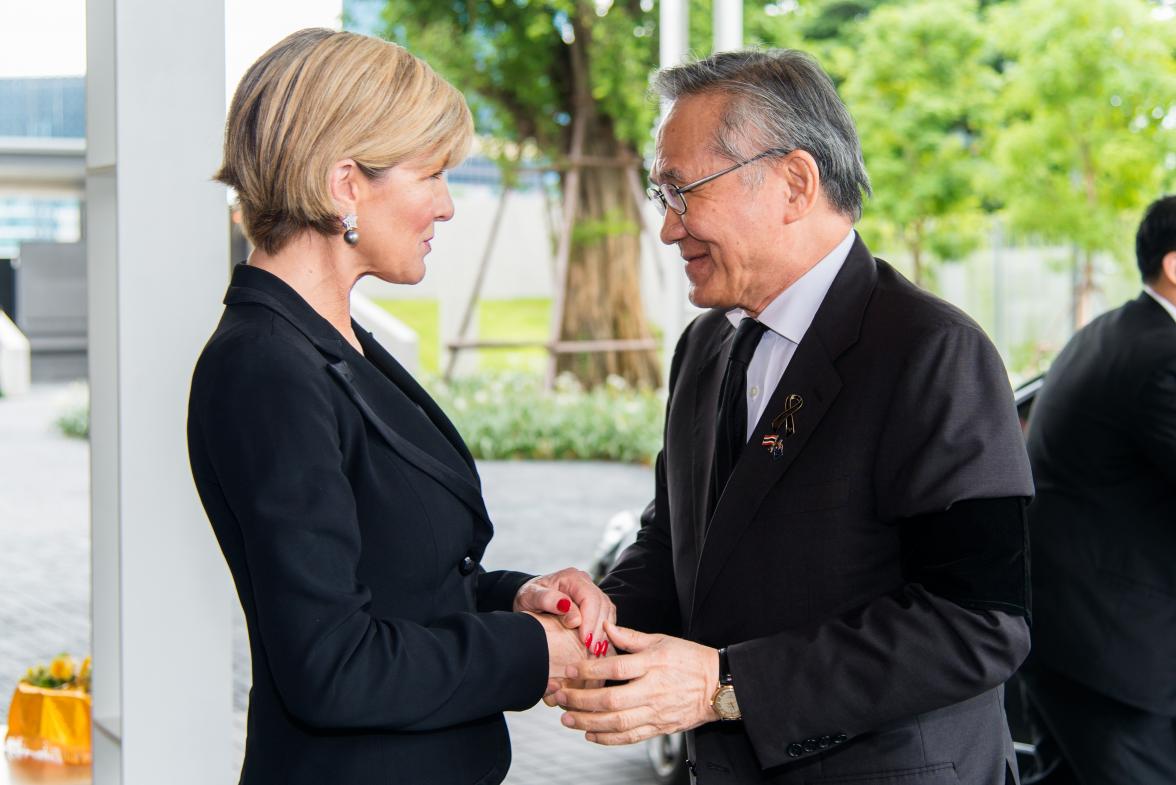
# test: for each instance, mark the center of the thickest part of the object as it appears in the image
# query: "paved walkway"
(547, 516)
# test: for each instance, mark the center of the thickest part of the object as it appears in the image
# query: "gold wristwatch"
(723, 701)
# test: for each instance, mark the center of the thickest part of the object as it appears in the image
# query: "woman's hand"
(571, 595)
(563, 649)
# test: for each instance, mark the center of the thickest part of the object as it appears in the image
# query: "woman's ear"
(346, 184)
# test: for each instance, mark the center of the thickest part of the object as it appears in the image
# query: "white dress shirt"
(1164, 301)
(787, 318)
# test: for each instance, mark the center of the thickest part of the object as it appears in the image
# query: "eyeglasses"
(667, 196)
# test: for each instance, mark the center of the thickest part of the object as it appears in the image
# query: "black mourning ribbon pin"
(783, 425)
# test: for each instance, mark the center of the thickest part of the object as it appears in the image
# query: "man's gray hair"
(780, 98)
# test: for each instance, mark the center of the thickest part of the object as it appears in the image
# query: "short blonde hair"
(319, 96)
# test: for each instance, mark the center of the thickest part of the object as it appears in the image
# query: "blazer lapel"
(460, 483)
(255, 286)
(397, 374)
(812, 376)
(706, 403)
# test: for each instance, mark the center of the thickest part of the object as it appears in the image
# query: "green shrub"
(75, 422)
(510, 416)
(74, 405)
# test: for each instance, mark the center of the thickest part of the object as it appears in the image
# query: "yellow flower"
(84, 672)
(62, 668)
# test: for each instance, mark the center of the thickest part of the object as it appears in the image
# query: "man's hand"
(671, 682)
(571, 595)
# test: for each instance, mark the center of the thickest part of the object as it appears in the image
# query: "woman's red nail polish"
(588, 641)
(605, 650)
(599, 648)
(564, 605)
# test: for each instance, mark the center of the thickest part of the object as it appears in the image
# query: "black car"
(1036, 756)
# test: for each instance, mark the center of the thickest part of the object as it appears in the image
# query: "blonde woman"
(347, 506)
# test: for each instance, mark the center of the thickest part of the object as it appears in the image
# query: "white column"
(673, 31)
(157, 246)
(728, 16)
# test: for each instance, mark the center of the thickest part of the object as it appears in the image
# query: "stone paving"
(547, 516)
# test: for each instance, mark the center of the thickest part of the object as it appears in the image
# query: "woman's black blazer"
(351, 516)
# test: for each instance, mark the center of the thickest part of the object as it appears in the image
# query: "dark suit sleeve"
(951, 475)
(641, 583)
(267, 421)
(497, 589)
(902, 655)
(1156, 418)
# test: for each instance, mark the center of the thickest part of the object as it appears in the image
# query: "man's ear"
(1168, 268)
(346, 184)
(803, 178)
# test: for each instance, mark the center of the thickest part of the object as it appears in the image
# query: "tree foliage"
(1086, 133)
(917, 80)
(535, 72)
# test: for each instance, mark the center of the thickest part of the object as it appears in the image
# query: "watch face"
(725, 704)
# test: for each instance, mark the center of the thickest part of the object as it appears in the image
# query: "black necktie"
(731, 427)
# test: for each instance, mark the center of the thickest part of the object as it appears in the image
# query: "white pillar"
(728, 16)
(673, 31)
(157, 260)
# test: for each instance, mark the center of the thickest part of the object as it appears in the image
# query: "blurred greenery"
(422, 316)
(516, 319)
(75, 421)
(610, 422)
(532, 72)
(1058, 116)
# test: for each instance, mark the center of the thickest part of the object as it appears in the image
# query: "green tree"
(543, 75)
(1087, 122)
(917, 83)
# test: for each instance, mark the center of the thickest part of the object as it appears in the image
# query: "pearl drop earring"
(351, 227)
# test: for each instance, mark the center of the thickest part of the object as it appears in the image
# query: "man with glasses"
(831, 579)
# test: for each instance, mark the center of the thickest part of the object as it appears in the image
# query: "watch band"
(725, 676)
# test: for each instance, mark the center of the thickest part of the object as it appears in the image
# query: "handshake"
(668, 682)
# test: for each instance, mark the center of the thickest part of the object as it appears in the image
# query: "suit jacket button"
(840, 738)
(795, 750)
(467, 566)
(810, 745)
(824, 742)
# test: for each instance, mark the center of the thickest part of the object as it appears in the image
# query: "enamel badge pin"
(784, 425)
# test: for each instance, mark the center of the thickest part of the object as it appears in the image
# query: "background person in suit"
(347, 506)
(834, 557)
(1102, 441)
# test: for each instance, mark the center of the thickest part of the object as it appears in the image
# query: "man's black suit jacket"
(1102, 439)
(351, 517)
(870, 582)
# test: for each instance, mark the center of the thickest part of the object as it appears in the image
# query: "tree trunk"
(1084, 291)
(914, 237)
(603, 291)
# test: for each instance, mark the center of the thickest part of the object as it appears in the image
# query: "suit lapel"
(459, 483)
(455, 471)
(706, 402)
(811, 375)
(396, 373)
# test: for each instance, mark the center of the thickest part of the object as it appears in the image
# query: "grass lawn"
(519, 319)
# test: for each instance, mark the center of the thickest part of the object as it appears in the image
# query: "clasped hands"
(668, 682)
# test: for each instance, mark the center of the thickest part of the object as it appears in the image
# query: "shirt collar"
(1164, 301)
(793, 310)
